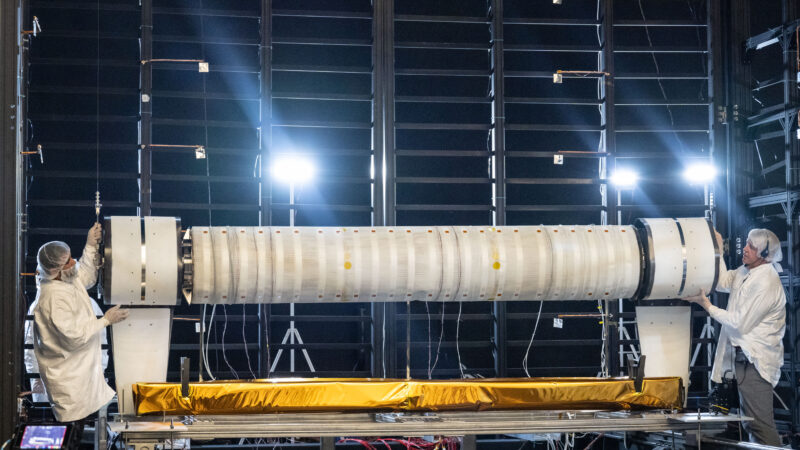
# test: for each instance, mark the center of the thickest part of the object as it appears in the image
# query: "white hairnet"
(51, 258)
(763, 239)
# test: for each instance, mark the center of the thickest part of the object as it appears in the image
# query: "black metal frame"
(10, 177)
(502, 123)
(765, 197)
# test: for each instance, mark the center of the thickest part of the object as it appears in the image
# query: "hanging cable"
(439, 345)
(210, 324)
(428, 313)
(224, 354)
(458, 350)
(97, 204)
(244, 338)
(383, 342)
(527, 351)
(604, 338)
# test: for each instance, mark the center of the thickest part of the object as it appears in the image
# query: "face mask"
(69, 275)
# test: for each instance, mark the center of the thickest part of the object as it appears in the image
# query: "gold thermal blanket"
(359, 394)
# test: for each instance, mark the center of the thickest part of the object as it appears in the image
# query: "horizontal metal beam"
(776, 198)
(322, 41)
(321, 68)
(772, 33)
(440, 99)
(439, 19)
(321, 207)
(554, 100)
(321, 124)
(435, 207)
(445, 153)
(551, 48)
(552, 127)
(550, 21)
(555, 181)
(444, 423)
(442, 126)
(555, 208)
(321, 96)
(765, 118)
(367, 15)
(441, 72)
(444, 180)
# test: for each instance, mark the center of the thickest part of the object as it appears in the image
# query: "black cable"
(97, 106)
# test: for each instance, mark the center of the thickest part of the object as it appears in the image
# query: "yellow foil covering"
(359, 394)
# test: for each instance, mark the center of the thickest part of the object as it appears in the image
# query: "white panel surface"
(161, 256)
(665, 338)
(682, 256)
(701, 257)
(126, 267)
(203, 266)
(141, 350)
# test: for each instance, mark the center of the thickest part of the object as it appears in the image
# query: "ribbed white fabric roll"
(280, 265)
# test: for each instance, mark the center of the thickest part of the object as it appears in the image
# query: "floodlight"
(700, 173)
(624, 178)
(293, 169)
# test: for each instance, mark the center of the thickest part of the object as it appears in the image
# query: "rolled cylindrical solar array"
(654, 259)
(280, 265)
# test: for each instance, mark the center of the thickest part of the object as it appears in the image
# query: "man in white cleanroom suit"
(67, 334)
(38, 391)
(751, 339)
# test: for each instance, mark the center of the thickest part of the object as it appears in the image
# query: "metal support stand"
(291, 335)
(101, 429)
(327, 443)
(469, 442)
(706, 333)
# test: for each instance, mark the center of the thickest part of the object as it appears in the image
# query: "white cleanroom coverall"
(754, 320)
(67, 340)
(39, 393)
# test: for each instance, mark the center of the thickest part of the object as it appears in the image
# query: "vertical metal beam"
(390, 198)
(145, 108)
(389, 130)
(377, 309)
(10, 204)
(378, 125)
(717, 138)
(788, 13)
(265, 145)
(607, 116)
(498, 162)
(610, 195)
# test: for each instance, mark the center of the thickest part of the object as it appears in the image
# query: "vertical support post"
(498, 162)
(10, 203)
(469, 442)
(378, 309)
(390, 198)
(788, 12)
(608, 143)
(145, 108)
(609, 146)
(388, 104)
(714, 94)
(717, 142)
(265, 187)
(327, 443)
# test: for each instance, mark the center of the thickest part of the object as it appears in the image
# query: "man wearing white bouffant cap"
(751, 339)
(67, 334)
